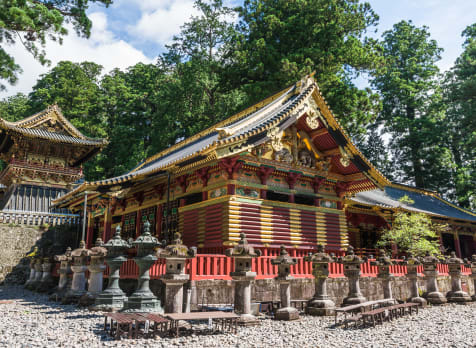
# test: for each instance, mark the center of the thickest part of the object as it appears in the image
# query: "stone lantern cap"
(411, 260)
(453, 259)
(284, 258)
(116, 246)
(145, 243)
(383, 260)
(430, 259)
(81, 251)
(64, 257)
(320, 256)
(98, 250)
(243, 249)
(351, 258)
(177, 249)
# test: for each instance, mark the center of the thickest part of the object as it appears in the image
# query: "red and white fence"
(217, 266)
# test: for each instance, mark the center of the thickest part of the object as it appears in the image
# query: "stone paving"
(32, 321)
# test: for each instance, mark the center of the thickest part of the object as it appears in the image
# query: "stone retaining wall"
(15, 242)
(221, 291)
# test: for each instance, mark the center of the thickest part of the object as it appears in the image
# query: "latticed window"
(173, 218)
(129, 226)
(148, 214)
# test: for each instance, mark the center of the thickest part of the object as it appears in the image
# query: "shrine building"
(44, 154)
(282, 171)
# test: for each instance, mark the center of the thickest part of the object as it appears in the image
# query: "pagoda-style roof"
(427, 202)
(301, 106)
(49, 125)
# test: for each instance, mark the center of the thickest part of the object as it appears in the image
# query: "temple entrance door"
(448, 242)
(466, 245)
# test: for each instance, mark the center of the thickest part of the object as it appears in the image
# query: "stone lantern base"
(436, 297)
(348, 301)
(458, 296)
(109, 301)
(287, 313)
(420, 300)
(320, 307)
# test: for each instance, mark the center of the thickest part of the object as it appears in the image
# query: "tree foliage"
(32, 22)
(412, 232)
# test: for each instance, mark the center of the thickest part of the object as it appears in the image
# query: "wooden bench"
(389, 313)
(135, 324)
(227, 321)
(356, 309)
(119, 324)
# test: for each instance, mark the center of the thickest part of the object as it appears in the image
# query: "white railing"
(37, 218)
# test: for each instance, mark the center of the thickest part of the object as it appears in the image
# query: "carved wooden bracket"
(204, 175)
(113, 204)
(316, 183)
(341, 187)
(292, 178)
(139, 197)
(159, 190)
(264, 173)
(123, 203)
(230, 165)
(182, 181)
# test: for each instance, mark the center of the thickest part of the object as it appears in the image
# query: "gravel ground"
(32, 321)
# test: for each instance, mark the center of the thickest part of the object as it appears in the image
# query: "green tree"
(196, 63)
(412, 232)
(15, 108)
(410, 96)
(459, 124)
(282, 40)
(32, 22)
(375, 150)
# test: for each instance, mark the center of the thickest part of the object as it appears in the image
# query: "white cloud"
(161, 20)
(103, 48)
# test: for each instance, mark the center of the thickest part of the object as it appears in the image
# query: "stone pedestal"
(31, 278)
(47, 282)
(472, 264)
(96, 268)
(456, 294)
(242, 254)
(414, 290)
(286, 312)
(79, 267)
(113, 298)
(64, 272)
(383, 263)
(143, 300)
(174, 292)
(432, 295)
(320, 304)
(176, 255)
(352, 271)
(38, 275)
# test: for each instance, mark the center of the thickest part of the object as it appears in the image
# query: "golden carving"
(276, 136)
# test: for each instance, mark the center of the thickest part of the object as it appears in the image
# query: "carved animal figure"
(305, 158)
(283, 155)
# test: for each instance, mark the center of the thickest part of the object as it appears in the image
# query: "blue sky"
(132, 31)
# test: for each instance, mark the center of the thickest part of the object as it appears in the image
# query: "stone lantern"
(38, 270)
(176, 255)
(143, 300)
(31, 278)
(412, 264)
(320, 304)
(113, 297)
(352, 271)
(47, 282)
(472, 264)
(383, 263)
(96, 268)
(79, 267)
(284, 263)
(433, 296)
(64, 283)
(243, 254)
(456, 294)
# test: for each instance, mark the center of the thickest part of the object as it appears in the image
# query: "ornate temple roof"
(50, 124)
(255, 126)
(427, 202)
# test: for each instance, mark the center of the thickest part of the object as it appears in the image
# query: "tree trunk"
(415, 146)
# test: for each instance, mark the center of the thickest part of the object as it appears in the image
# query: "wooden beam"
(318, 132)
(305, 137)
(332, 152)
